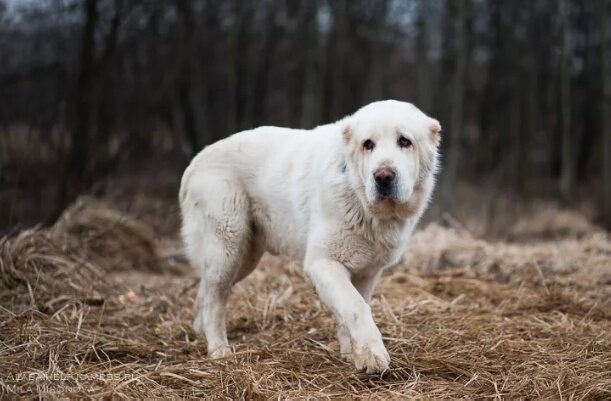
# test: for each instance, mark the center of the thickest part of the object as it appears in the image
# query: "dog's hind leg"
(218, 236)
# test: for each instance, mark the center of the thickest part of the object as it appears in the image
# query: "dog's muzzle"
(385, 179)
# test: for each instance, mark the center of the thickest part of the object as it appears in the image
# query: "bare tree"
(567, 179)
(378, 45)
(311, 110)
(262, 65)
(80, 143)
(458, 98)
(185, 77)
(606, 113)
(239, 65)
(422, 50)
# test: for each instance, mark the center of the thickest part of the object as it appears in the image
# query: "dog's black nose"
(384, 176)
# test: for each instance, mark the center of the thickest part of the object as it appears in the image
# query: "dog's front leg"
(364, 284)
(334, 287)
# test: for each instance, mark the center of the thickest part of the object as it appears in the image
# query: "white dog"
(342, 199)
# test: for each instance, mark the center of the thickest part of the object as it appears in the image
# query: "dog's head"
(391, 156)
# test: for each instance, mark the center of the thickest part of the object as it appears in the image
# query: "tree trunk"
(458, 94)
(567, 175)
(379, 59)
(239, 66)
(262, 67)
(339, 59)
(312, 92)
(422, 47)
(185, 81)
(533, 104)
(105, 96)
(76, 168)
(605, 115)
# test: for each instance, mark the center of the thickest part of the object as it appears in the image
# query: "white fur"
(309, 195)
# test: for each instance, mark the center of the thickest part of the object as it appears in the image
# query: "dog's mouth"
(390, 195)
(386, 195)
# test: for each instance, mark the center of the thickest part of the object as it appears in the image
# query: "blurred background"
(113, 97)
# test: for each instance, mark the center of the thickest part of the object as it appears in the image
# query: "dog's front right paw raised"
(371, 357)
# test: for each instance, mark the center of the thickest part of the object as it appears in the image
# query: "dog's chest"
(370, 250)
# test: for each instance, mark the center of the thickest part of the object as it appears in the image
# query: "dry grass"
(106, 237)
(36, 271)
(462, 318)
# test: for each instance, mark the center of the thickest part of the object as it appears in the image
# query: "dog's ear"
(435, 131)
(347, 133)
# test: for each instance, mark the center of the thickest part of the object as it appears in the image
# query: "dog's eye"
(404, 142)
(369, 145)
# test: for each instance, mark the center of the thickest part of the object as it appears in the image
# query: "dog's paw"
(371, 357)
(346, 356)
(219, 352)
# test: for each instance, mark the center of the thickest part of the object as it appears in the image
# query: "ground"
(100, 304)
